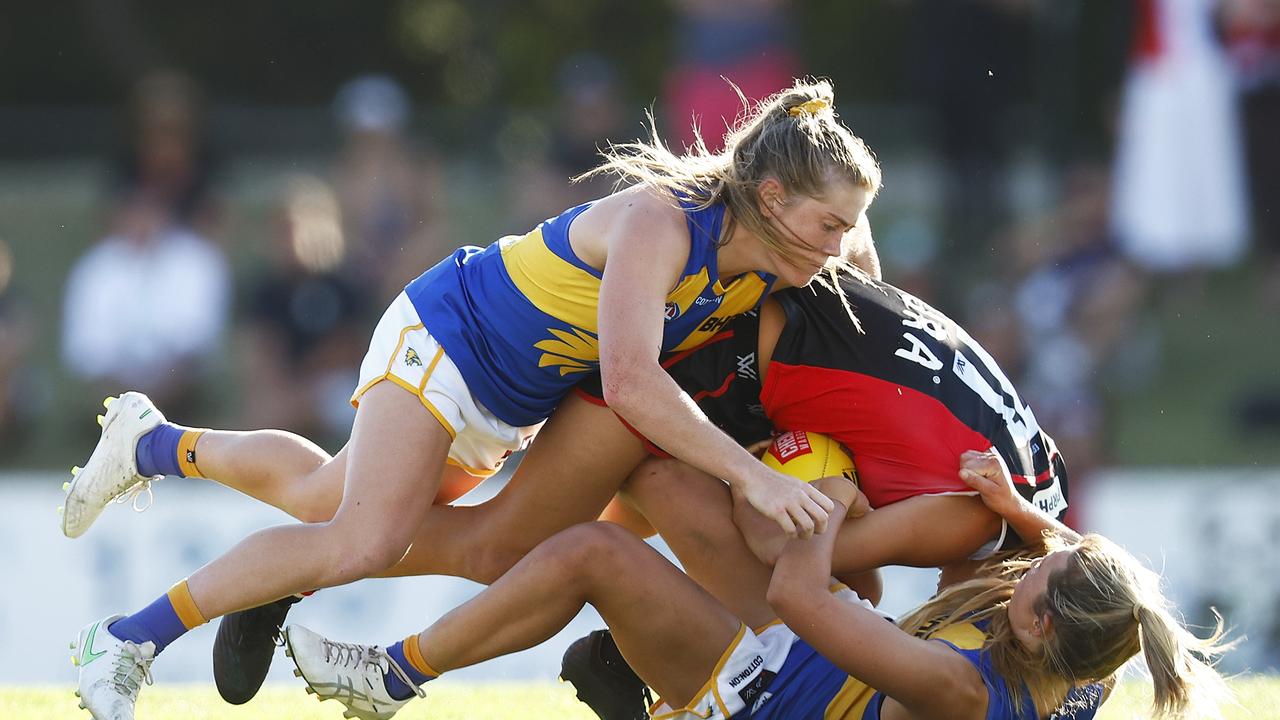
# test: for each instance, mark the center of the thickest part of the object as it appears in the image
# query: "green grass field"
(1258, 696)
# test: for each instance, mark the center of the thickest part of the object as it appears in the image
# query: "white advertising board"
(1214, 534)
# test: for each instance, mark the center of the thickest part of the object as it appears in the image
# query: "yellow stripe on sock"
(187, 453)
(414, 655)
(185, 606)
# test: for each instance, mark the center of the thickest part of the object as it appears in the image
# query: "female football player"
(474, 356)
(1030, 638)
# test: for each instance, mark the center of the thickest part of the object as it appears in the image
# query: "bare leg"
(693, 513)
(620, 511)
(279, 468)
(670, 631)
(290, 472)
(577, 463)
(394, 463)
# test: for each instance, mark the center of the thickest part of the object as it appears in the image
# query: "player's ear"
(771, 195)
(1043, 625)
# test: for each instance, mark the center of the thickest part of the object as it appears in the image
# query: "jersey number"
(919, 317)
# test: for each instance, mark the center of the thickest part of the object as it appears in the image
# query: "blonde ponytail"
(1105, 608)
(1184, 683)
(794, 136)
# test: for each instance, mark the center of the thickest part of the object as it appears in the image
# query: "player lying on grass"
(1031, 637)
(473, 357)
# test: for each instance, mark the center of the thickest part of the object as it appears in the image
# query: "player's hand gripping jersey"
(519, 318)
(906, 395)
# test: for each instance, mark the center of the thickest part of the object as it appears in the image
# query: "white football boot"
(111, 670)
(349, 673)
(112, 470)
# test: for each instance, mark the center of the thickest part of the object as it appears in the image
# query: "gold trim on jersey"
(851, 701)
(965, 636)
(556, 287)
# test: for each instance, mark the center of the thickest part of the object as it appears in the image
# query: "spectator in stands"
(391, 192)
(587, 115)
(305, 329)
(168, 156)
(1252, 31)
(746, 41)
(1076, 304)
(147, 305)
(1179, 201)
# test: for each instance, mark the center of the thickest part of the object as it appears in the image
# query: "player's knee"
(362, 555)
(650, 481)
(493, 561)
(594, 551)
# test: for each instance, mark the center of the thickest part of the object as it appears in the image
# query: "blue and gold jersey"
(810, 686)
(519, 318)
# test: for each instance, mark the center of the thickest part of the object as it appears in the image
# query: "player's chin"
(805, 274)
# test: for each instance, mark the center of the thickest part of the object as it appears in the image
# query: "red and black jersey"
(905, 389)
(906, 394)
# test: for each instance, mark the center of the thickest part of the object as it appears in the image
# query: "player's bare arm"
(925, 678)
(984, 472)
(646, 252)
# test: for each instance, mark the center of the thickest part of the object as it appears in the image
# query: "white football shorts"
(403, 352)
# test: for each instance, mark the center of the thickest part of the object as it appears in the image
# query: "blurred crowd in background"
(1092, 188)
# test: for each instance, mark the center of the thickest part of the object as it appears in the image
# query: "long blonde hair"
(1105, 607)
(794, 136)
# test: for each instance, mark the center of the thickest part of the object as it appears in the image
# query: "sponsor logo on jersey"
(708, 300)
(713, 324)
(790, 445)
(753, 689)
(756, 662)
(1050, 500)
(411, 358)
(672, 311)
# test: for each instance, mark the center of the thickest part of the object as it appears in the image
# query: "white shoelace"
(132, 670)
(360, 657)
(134, 492)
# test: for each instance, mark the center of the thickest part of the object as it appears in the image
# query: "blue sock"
(157, 622)
(396, 687)
(157, 451)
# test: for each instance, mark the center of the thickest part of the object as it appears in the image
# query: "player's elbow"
(622, 380)
(788, 599)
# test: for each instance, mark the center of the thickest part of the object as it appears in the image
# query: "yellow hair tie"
(809, 107)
